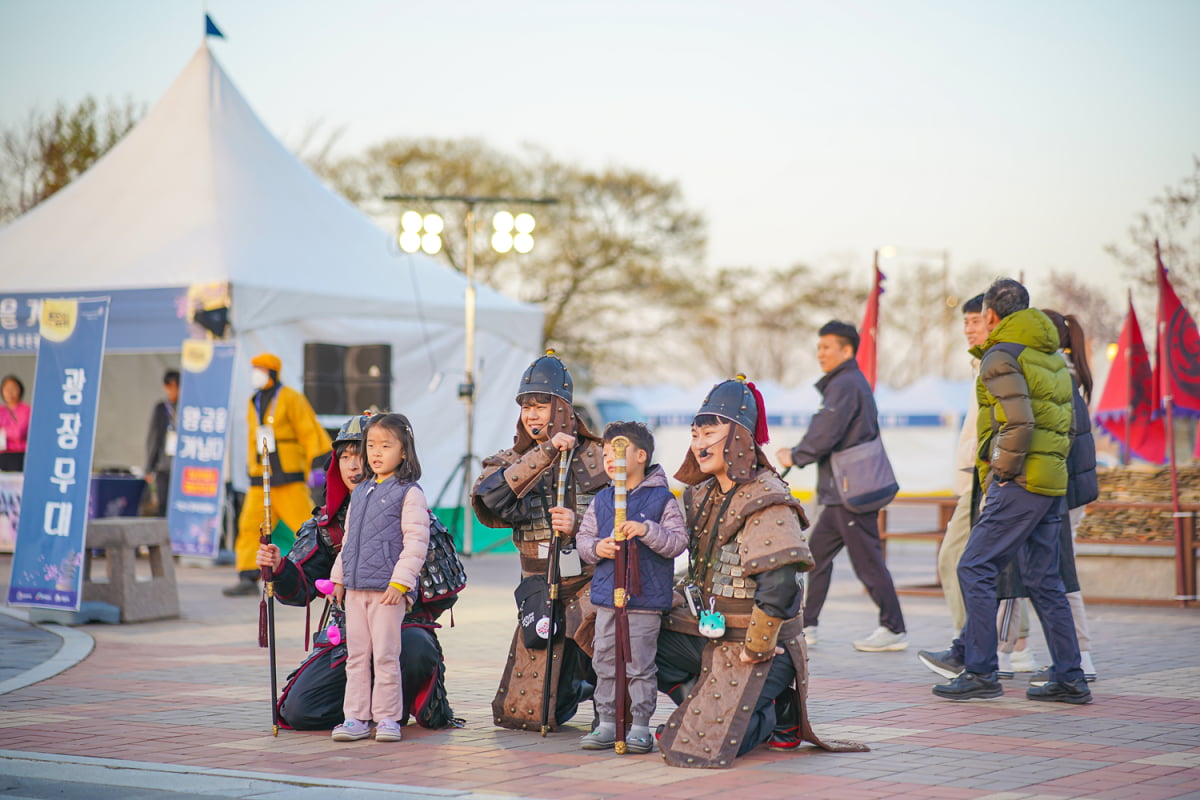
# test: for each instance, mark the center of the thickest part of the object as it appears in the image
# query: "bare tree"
(1174, 220)
(611, 262)
(763, 322)
(47, 151)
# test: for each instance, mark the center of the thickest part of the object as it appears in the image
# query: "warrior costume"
(516, 490)
(312, 698)
(747, 553)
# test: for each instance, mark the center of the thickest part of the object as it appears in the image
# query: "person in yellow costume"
(295, 439)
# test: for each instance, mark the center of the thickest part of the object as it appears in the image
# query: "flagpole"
(1165, 386)
(1125, 446)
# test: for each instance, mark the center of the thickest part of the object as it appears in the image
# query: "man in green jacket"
(1025, 427)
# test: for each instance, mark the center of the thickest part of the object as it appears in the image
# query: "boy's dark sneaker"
(944, 663)
(970, 686)
(1074, 692)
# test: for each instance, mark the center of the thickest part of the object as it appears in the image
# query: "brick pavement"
(194, 692)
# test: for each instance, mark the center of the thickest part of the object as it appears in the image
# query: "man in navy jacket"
(847, 417)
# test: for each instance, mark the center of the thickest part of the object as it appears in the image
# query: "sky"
(1024, 136)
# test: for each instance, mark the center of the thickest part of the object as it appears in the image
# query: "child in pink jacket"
(387, 539)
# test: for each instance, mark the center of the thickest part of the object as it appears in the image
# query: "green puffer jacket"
(1025, 422)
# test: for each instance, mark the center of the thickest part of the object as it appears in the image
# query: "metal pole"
(469, 392)
(947, 316)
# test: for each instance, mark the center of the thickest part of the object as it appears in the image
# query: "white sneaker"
(1005, 668)
(810, 635)
(1089, 669)
(1024, 660)
(882, 640)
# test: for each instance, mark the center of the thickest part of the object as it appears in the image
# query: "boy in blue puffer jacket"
(655, 527)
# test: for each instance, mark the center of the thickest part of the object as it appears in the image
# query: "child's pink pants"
(373, 638)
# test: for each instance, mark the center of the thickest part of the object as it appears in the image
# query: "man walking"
(847, 417)
(1025, 429)
(959, 528)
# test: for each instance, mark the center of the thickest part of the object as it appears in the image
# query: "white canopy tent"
(200, 192)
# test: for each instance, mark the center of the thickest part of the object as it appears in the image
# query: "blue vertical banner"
(47, 567)
(197, 493)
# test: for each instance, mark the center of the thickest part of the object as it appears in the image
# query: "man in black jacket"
(160, 442)
(847, 417)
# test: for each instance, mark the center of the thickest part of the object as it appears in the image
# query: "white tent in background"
(200, 192)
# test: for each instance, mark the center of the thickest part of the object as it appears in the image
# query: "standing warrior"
(517, 490)
(732, 650)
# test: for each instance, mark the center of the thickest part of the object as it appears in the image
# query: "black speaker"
(340, 379)
(370, 362)
(326, 362)
(326, 397)
(369, 395)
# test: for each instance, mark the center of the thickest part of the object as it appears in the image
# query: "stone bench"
(138, 599)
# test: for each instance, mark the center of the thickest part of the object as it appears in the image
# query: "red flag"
(1125, 411)
(868, 332)
(1177, 368)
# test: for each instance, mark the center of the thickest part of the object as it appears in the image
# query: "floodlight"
(411, 221)
(502, 241)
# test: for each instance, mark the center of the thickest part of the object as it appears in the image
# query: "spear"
(266, 606)
(552, 580)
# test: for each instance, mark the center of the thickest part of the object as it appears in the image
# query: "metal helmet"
(547, 375)
(352, 429)
(732, 400)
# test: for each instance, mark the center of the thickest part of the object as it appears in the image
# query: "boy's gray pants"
(641, 671)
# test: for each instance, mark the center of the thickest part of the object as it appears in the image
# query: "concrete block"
(120, 538)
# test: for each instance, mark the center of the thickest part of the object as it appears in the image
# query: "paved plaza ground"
(188, 699)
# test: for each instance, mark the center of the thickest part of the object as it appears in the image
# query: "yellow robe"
(299, 438)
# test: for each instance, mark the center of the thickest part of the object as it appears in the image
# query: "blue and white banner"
(47, 568)
(197, 493)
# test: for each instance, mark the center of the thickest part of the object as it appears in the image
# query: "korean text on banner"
(48, 560)
(197, 492)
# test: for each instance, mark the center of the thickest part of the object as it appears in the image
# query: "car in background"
(598, 410)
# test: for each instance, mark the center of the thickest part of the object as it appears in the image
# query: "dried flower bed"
(1138, 484)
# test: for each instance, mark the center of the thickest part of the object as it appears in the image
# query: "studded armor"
(736, 539)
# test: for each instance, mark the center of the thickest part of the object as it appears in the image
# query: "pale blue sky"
(1024, 135)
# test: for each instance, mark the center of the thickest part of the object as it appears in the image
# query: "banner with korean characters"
(197, 493)
(47, 567)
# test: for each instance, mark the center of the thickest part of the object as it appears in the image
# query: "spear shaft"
(266, 606)
(553, 580)
(620, 586)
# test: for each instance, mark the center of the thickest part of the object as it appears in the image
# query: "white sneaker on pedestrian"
(1004, 670)
(810, 635)
(1024, 660)
(1089, 669)
(882, 640)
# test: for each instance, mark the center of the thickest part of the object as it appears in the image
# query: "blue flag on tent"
(211, 29)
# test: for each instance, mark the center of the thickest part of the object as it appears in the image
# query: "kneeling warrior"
(312, 698)
(518, 490)
(732, 651)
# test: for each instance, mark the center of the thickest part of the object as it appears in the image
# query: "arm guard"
(311, 558)
(523, 474)
(762, 634)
